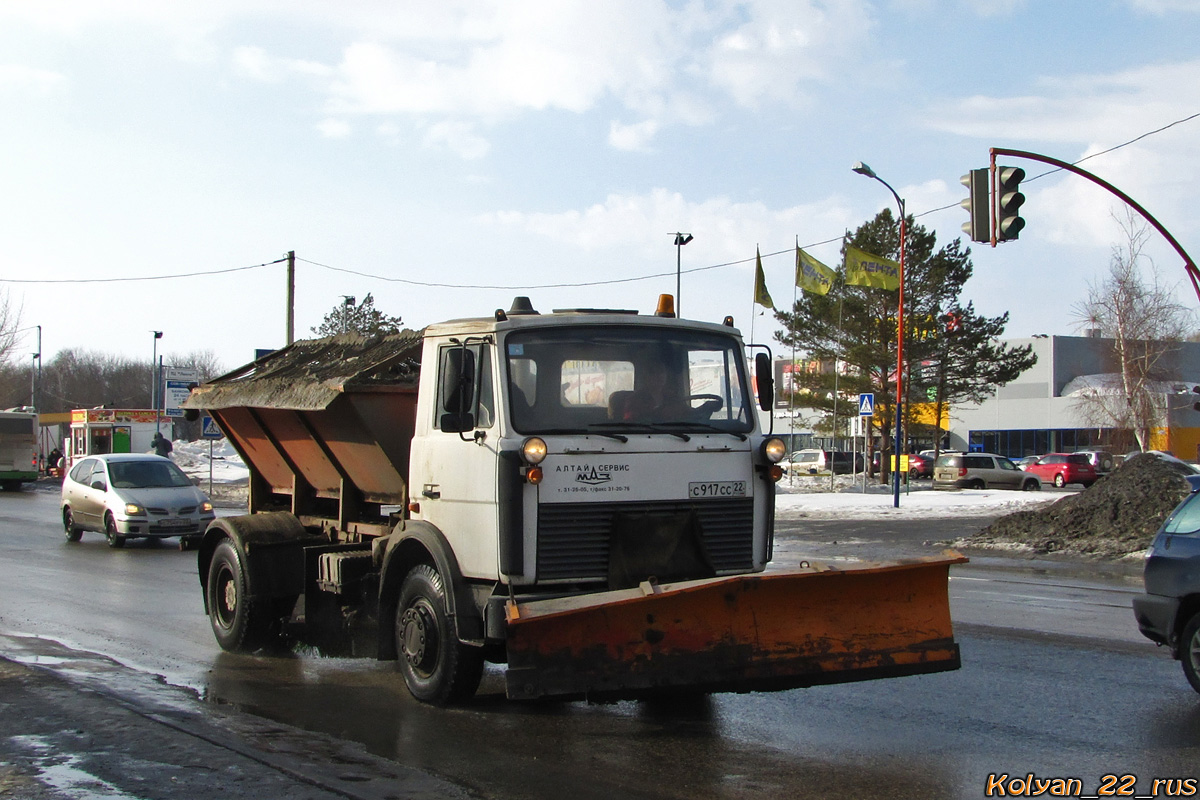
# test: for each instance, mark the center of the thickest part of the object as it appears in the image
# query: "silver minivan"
(981, 471)
(126, 495)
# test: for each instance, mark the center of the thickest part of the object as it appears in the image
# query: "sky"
(157, 160)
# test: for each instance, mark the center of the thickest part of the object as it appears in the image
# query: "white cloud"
(334, 128)
(18, 77)
(723, 228)
(458, 137)
(632, 137)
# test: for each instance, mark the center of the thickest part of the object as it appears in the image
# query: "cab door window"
(465, 396)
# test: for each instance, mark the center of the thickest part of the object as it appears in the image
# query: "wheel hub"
(419, 635)
(229, 596)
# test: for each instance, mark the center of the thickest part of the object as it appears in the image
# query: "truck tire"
(1189, 651)
(240, 624)
(437, 667)
(115, 539)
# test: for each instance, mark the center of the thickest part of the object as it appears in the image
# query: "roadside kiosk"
(95, 431)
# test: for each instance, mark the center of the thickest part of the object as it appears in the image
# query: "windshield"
(146, 475)
(612, 379)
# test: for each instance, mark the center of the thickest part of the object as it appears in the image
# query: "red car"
(1064, 468)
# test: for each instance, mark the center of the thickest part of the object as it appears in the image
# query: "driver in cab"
(657, 396)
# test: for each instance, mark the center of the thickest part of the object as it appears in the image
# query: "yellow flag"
(761, 295)
(812, 275)
(865, 269)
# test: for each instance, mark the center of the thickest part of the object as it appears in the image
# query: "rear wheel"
(1189, 651)
(977, 484)
(240, 624)
(1059, 480)
(1032, 486)
(73, 531)
(437, 667)
(115, 539)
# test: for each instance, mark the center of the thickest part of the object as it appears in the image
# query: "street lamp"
(680, 240)
(347, 304)
(863, 169)
(154, 373)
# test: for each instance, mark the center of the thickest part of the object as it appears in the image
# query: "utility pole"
(291, 296)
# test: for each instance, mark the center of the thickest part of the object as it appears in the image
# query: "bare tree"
(10, 323)
(1140, 314)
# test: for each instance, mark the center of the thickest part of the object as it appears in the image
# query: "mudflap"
(818, 624)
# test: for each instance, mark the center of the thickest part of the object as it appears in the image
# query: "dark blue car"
(1169, 612)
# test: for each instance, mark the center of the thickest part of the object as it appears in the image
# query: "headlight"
(774, 450)
(206, 506)
(533, 450)
(134, 510)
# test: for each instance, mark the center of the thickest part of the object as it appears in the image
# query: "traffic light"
(1008, 207)
(976, 205)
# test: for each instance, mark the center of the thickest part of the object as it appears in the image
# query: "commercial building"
(1047, 408)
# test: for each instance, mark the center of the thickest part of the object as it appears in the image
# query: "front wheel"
(74, 532)
(115, 539)
(1032, 486)
(437, 667)
(1059, 480)
(1189, 651)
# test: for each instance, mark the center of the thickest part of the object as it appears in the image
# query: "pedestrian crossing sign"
(209, 429)
(866, 404)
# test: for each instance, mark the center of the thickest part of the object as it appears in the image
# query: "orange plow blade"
(761, 632)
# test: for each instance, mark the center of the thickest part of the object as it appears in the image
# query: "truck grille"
(573, 537)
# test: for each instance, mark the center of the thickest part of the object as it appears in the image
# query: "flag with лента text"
(868, 269)
(812, 275)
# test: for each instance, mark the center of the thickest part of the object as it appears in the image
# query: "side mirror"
(458, 380)
(457, 423)
(764, 379)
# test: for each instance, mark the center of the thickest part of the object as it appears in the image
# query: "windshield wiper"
(588, 430)
(644, 427)
(708, 426)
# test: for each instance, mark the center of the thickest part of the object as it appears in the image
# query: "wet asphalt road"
(1056, 681)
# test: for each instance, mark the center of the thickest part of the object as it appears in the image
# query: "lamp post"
(680, 240)
(347, 304)
(863, 169)
(154, 375)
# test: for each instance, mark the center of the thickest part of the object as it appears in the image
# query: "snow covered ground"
(807, 497)
(193, 458)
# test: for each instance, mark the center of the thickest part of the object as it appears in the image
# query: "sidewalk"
(63, 739)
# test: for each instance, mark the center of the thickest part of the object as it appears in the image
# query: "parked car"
(981, 471)
(124, 495)
(1169, 611)
(1023, 463)
(1101, 460)
(812, 462)
(1064, 468)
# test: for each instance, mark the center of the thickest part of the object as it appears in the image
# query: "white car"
(129, 495)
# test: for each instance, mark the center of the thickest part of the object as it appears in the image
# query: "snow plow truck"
(585, 496)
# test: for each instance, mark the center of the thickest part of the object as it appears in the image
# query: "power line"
(141, 278)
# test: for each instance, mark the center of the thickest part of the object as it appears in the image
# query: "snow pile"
(919, 501)
(193, 458)
(1116, 517)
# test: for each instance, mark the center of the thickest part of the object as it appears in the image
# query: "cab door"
(454, 475)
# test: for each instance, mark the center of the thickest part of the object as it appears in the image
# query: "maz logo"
(592, 476)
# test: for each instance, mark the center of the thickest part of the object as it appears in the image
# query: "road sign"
(866, 404)
(209, 428)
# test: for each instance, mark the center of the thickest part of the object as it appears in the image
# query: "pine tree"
(363, 319)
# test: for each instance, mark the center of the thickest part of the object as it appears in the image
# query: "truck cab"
(542, 441)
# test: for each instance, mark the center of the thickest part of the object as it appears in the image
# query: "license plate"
(717, 489)
(171, 522)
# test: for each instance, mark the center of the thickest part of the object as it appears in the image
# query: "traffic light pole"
(1188, 264)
